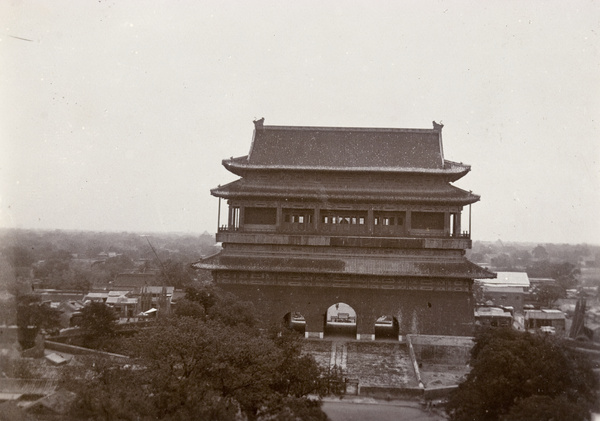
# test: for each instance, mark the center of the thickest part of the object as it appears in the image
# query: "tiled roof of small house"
(347, 149)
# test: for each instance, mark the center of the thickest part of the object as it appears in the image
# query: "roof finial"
(437, 127)
(258, 124)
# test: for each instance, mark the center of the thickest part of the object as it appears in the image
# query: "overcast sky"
(116, 115)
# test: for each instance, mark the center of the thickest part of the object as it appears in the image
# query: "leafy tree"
(564, 273)
(56, 264)
(187, 308)
(19, 256)
(108, 391)
(206, 296)
(34, 316)
(545, 408)
(520, 257)
(546, 295)
(207, 367)
(118, 264)
(503, 261)
(223, 306)
(98, 322)
(511, 370)
(176, 273)
(539, 252)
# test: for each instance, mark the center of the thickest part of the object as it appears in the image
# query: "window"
(389, 218)
(260, 216)
(298, 216)
(427, 220)
(343, 217)
(234, 217)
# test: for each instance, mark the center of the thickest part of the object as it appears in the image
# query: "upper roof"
(346, 149)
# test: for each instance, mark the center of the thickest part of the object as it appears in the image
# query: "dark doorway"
(387, 327)
(295, 321)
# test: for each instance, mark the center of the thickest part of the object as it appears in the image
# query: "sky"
(115, 116)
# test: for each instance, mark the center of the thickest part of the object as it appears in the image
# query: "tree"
(187, 308)
(20, 256)
(176, 273)
(98, 322)
(503, 261)
(546, 295)
(564, 273)
(207, 367)
(539, 252)
(512, 370)
(545, 408)
(34, 316)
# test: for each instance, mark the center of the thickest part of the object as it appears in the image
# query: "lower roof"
(440, 193)
(350, 265)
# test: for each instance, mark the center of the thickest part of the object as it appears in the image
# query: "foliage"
(222, 306)
(19, 256)
(187, 308)
(503, 261)
(208, 366)
(539, 252)
(511, 370)
(176, 273)
(79, 260)
(545, 408)
(98, 322)
(564, 273)
(34, 316)
(546, 295)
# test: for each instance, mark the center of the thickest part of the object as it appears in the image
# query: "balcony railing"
(343, 229)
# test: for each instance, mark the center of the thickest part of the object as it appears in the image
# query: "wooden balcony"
(312, 238)
(342, 230)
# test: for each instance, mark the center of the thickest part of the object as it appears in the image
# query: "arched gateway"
(365, 217)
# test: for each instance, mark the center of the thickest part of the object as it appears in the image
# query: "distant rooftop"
(507, 279)
(135, 280)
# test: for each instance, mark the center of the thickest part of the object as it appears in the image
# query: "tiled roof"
(158, 290)
(339, 148)
(346, 147)
(136, 280)
(357, 265)
(389, 192)
(509, 279)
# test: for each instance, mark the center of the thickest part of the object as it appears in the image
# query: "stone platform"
(378, 364)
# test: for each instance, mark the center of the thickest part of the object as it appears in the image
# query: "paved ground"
(371, 410)
(383, 364)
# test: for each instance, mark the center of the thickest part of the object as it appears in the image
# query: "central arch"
(340, 321)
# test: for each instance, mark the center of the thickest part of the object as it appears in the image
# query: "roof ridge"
(335, 128)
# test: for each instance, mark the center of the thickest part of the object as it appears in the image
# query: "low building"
(536, 320)
(493, 317)
(126, 307)
(508, 289)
